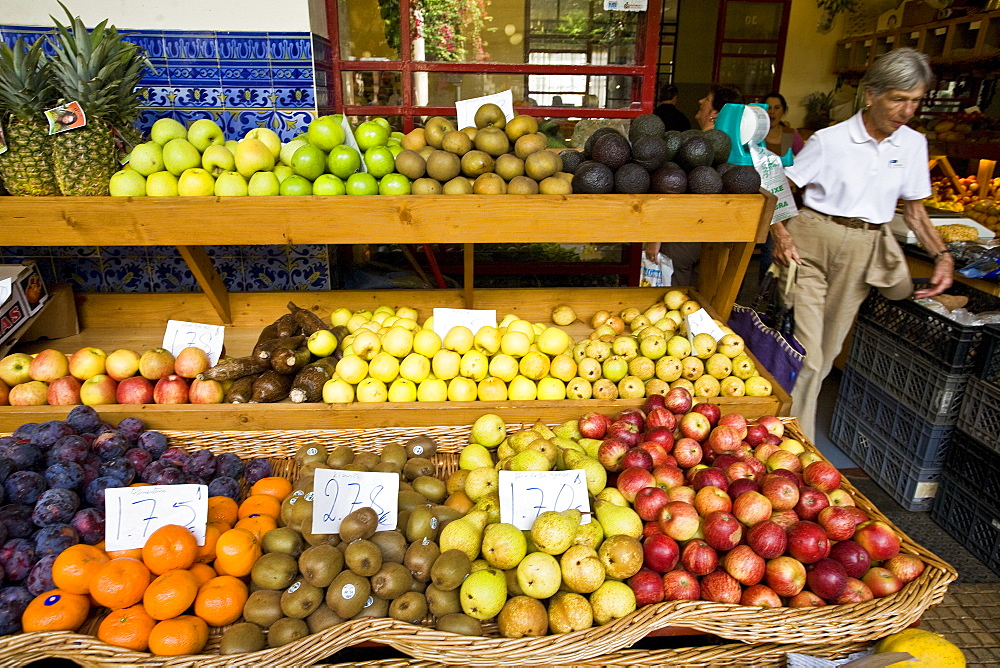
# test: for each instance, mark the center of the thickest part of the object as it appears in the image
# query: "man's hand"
(944, 269)
(652, 249)
(784, 246)
(915, 217)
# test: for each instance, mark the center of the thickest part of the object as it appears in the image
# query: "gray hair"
(900, 69)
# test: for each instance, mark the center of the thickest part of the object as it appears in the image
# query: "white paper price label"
(180, 335)
(446, 318)
(465, 110)
(339, 493)
(524, 495)
(700, 322)
(133, 513)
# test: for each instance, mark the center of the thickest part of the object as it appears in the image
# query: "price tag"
(700, 322)
(524, 495)
(179, 335)
(625, 5)
(466, 110)
(133, 513)
(446, 318)
(338, 493)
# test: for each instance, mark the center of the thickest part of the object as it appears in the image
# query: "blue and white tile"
(75, 251)
(267, 274)
(84, 274)
(171, 275)
(283, 74)
(156, 74)
(179, 45)
(196, 72)
(264, 253)
(158, 96)
(159, 252)
(290, 46)
(309, 274)
(287, 124)
(17, 253)
(151, 41)
(242, 46)
(207, 96)
(122, 252)
(127, 274)
(248, 97)
(230, 270)
(248, 72)
(298, 97)
(216, 252)
(307, 251)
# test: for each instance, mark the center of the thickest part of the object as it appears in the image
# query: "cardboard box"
(22, 294)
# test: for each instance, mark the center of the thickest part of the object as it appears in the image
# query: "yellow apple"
(426, 342)
(415, 367)
(398, 342)
(459, 339)
(474, 365)
(487, 340)
(521, 388)
(338, 391)
(446, 364)
(534, 365)
(352, 368)
(383, 367)
(492, 389)
(554, 341)
(461, 388)
(504, 367)
(402, 391)
(551, 389)
(372, 391)
(340, 316)
(515, 344)
(432, 389)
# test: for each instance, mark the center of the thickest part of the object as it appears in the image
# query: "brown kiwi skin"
(421, 446)
(392, 544)
(410, 607)
(361, 523)
(420, 558)
(363, 557)
(418, 466)
(242, 638)
(347, 608)
(286, 630)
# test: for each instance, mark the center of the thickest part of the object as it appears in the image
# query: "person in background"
(851, 176)
(685, 255)
(779, 139)
(672, 117)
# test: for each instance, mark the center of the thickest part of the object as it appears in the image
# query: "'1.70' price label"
(133, 513)
(336, 494)
(524, 495)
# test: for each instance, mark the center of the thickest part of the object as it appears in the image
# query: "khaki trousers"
(839, 265)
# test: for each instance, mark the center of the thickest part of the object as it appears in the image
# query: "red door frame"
(779, 55)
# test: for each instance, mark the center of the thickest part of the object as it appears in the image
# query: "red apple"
(767, 539)
(652, 403)
(647, 587)
(626, 432)
(64, 391)
(855, 591)
(841, 497)
(662, 435)
(98, 390)
(906, 567)
(785, 473)
(134, 390)
(206, 392)
(660, 553)
(668, 476)
(721, 587)
(751, 508)
(660, 417)
(637, 458)
(784, 518)
(772, 424)
(742, 471)
(760, 595)
(610, 453)
(31, 393)
(805, 599)
(594, 425)
(881, 582)
(771, 439)
(782, 492)
(650, 529)
(699, 558)
(710, 476)
(690, 473)
(633, 479)
(680, 585)
(744, 564)
(785, 575)
(878, 539)
(741, 485)
(4, 394)
(724, 439)
(156, 363)
(48, 365)
(807, 542)
(682, 493)
(808, 457)
(811, 501)
(852, 557)
(678, 401)
(742, 452)
(826, 578)
(696, 426)
(191, 361)
(633, 416)
(679, 520)
(86, 363)
(764, 450)
(822, 475)
(649, 501)
(755, 435)
(735, 421)
(712, 411)
(783, 459)
(722, 530)
(657, 452)
(709, 499)
(722, 461)
(838, 523)
(122, 363)
(171, 389)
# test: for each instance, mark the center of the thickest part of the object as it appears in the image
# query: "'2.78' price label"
(133, 513)
(524, 495)
(336, 494)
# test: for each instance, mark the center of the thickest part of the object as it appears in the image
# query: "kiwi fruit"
(263, 607)
(418, 466)
(347, 594)
(461, 623)
(425, 186)
(402, 517)
(405, 486)
(310, 452)
(421, 446)
(422, 524)
(340, 456)
(410, 164)
(420, 557)
(365, 459)
(242, 638)
(374, 607)
(283, 540)
(322, 618)
(285, 513)
(320, 564)
(315, 539)
(308, 470)
(274, 570)
(450, 569)
(409, 500)
(394, 453)
(433, 489)
(363, 557)
(417, 585)
(441, 602)
(392, 544)
(387, 467)
(446, 514)
(443, 166)
(286, 630)
(410, 607)
(300, 512)
(301, 599)
(391, 581)
(360, 523)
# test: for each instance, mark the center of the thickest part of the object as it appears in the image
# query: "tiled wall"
(242, 81)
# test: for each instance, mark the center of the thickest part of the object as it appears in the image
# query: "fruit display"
(978, 203)
(958, 126)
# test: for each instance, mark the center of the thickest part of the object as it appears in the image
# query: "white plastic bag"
(656, 274)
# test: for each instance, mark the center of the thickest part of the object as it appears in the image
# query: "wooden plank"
(729, 285)
(468, 273)
(208, 278)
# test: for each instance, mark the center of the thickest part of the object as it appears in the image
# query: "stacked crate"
(902, 391)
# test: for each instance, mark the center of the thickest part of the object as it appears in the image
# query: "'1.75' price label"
(133, 513)
(336, 494)
(524, 495)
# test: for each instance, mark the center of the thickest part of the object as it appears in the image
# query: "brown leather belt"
(853, 223)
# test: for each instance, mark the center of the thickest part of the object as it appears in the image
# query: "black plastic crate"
(914, 381)
(989, 359)
(980, 414)
(960, 513)
(975, 467)
(952, 345)
(907, 432)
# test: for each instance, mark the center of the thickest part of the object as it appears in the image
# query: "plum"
(40, 578)
(110, 445)
(152, 442)
(49, 432)
(91, 468)
(68, 449)
(13, 601)
(25, 430)
(168, 475)
(152, 471)
(228, 464)
(7, 467)
(200, 463)
(224, 486)
(89, 524)
(17, 556)
(24, 487)
(94, 493)
(256, 469)
(120, 468)
(140, 459)
(84, 418)
(55, 506)
(26, 457)
(67, 475)
(175, 456)
(55, 538)
(130, 428)
(16, 520)
(7, 441)
(103, 427)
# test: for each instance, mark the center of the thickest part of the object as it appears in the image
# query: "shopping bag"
(656, 274)
(768, 332)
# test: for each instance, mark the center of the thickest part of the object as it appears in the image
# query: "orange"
(260, 504)
(202, 573)
(135, 553)
(276, 486)
(119, 583)
(73, 568)
(168, 548)
(128, 628)
(186, 634)
(170, 594)
(236, 552)
(140, 484)
(56, 610)
(220, 600)
(258, 525)
(222, 509)
(206, 552)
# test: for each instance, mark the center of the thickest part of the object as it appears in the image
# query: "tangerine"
(56, 610)
(128, 628)
(260, 504)
(170, 594)
(168, 548)
(258, 525)
(220, 601)
(236, 552)
(275, 486)
(74, 567)
(119, 583)
(186, 634)
(222, 509)
(202, 573)
(206, 552)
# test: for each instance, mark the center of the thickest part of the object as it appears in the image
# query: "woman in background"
(779, 139)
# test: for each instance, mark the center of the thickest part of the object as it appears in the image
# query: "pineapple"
(101, 72)
(26, 90)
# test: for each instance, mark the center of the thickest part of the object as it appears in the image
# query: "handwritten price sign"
(446, 318)
(133, 513)
(180, 335)
(336, 494)
(524, 495)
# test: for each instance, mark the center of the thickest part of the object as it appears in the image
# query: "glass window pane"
(373, 88)
(753, 20)
(754, 76)
(442, 89)
(755, 48)
(369, 29)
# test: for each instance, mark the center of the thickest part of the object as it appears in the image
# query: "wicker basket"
(828, 625)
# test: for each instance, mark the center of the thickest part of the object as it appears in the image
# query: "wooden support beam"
(209, 280)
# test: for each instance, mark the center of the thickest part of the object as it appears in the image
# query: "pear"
(553, 532)
(474, 456)
(504, 546)
(539, 575)
(612, 495)
(488, 430)
(570, 429)
(483, 593)
(590, 534)
(530, 460)
(597, 475)
(618, 519)
(543, 429)
(612, 600)
(519, 440)
(462, 534)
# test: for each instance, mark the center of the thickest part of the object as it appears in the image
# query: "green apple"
(205, 132)
(383, 122)
(362, 183)
(217, 159)
(165, 129)
(394, 184)
(370, 134)
(398, 136)
(322, 343)
(146, 158)
(281, 172)
(230, 184)
(288, 149)
(180, 154)
(161, 184)
(328, 184)
(309, 161)
(252, 155)
(127, 183)
(263, 184)
(343, 161)
(379, 161)
(395, 149)
(269, 138)
(326, 132)
(295, 185)
(195, 182)
(231, 145)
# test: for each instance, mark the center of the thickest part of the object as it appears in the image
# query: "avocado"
(695, 152)
(631, 179)
(669, 179)
(721, 145)
(693, 132)
(571, 160)
(673, 139)
(645, 125)
(612, 150)
(588, 146)
(724, 167)
(650, 152)
(593, 178)
(704, 180)
(741, 180)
